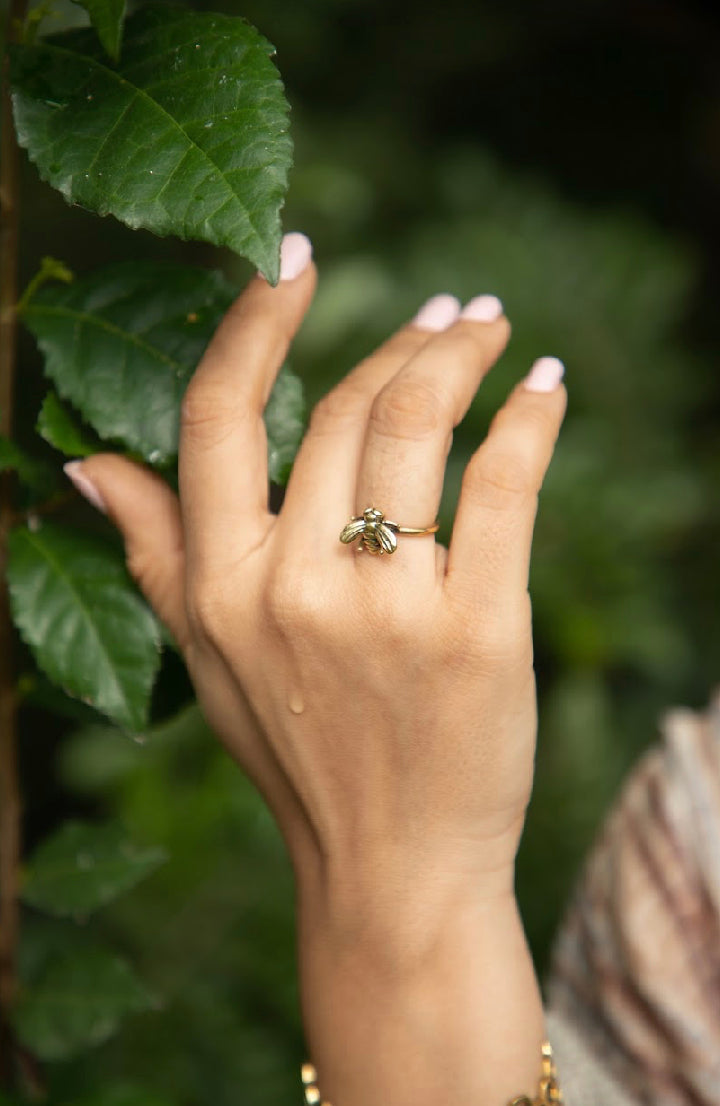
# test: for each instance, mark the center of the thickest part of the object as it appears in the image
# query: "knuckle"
(293, 599)
(207, 412)
(533, 416)
(344, 404)
(505, 640)
(206, 601)
(412, 409)
(499, 480)
(139, 564)
(500, 640)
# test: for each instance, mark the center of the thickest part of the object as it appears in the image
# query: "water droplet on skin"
(295, 702)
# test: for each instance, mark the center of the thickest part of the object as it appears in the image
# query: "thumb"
(147, 513)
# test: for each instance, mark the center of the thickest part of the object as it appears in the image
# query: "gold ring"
(377, 534)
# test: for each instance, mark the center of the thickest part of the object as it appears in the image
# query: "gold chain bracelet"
(549, 1093)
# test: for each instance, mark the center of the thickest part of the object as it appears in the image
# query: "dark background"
(567, 158)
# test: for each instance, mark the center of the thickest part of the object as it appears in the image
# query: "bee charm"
(377, 534)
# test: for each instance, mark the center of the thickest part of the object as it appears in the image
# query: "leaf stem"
(50, 269)
(10, 796)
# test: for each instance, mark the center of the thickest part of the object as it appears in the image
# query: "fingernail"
(295, 254)
(73, 470)
(482, 309)
(545, 375)
(438, 313)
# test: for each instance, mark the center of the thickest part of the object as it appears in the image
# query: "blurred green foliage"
(624, 581)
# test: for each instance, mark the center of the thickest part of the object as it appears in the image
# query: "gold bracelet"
(549, 1093)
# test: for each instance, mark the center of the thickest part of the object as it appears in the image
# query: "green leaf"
(79, 612)
(284, 424)
(79, 1001)
(107, 18)
(56, 425)
(122, 343)
(50, 269)
(188, 136)
(84, 866)
(36, 475)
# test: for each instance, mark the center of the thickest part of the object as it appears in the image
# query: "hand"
(384, 706)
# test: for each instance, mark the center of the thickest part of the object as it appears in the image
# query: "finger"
(409, 430)
(322, 486)
(223, 446)
(147, 514)
(489, 555)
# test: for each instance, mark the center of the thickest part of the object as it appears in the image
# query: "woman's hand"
(383, 705)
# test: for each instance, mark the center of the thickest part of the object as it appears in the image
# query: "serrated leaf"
(56, 425)
(107, 17)
(84, 866)
(79, 1001)
(79, 612)
(122, 343)
(188, 136)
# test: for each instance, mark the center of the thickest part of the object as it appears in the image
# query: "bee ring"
(376, 533)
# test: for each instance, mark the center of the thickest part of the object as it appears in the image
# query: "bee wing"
(353, 530)
(386, 538)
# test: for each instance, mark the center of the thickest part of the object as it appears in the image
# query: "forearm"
(453, 1018)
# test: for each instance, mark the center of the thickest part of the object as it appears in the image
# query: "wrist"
(437, 1005)
(396, 904)
(397, 918)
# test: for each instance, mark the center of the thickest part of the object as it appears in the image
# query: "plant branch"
(10, 798)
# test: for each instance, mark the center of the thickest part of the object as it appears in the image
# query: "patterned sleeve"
(635, 978)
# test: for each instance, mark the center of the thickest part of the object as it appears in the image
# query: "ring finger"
(410, 423)
(326, 467)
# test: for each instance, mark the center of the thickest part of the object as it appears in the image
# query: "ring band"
(378, 534)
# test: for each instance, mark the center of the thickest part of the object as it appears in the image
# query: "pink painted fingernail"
(545, 375)
(438, 313)
(295, 254)
(482, 309)
(73, 470)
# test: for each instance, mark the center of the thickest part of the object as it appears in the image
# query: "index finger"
(223, 445)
